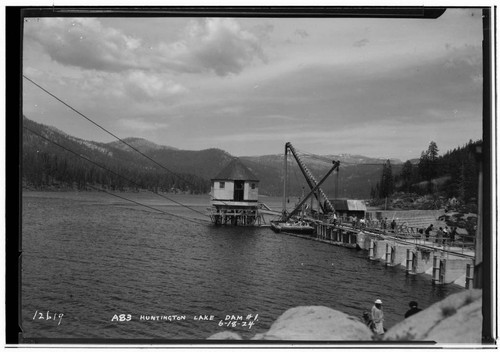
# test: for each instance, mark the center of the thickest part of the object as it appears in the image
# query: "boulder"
(316, 323)
(455, 319)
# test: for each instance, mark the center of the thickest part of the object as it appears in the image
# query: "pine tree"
(387, 181)
(428, 165)
(407, 175)
(432, 151)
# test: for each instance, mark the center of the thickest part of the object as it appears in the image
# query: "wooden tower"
(235, 196)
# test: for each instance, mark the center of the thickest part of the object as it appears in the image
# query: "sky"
(380, 88)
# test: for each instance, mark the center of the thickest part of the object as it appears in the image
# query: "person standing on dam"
(393, 225)
(384, 224)
(453, 234)
(440, 237)
(428, 231)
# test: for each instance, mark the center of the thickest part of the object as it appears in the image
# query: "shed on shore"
(349, 207)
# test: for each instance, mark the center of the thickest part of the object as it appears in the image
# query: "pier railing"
(464, 244)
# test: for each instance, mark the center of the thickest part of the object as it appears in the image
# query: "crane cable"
(112, 134)
(109, 132)
(117, 174)
(197, 221)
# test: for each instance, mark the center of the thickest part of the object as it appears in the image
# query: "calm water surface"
(91, 256)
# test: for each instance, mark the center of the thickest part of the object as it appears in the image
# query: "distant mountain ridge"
(145, 145)
(140, 144)
(181, 169)
(345, 159)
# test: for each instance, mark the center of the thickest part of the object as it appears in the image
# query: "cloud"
(318, 91)
(140, 125)
(217, 45)
(277, 117)
(142, 85)
(229, 110)
(85, 43)
(302, 33)
(98, 87)
(467, 56)
(361, 42)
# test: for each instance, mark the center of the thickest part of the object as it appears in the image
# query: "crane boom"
(314, 189)
(311, 181)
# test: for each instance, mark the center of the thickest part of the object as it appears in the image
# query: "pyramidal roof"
(236, 171)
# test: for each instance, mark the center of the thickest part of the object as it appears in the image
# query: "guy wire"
(117, 174)
(109, 132)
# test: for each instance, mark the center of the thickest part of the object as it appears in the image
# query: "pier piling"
(469, 280)
(409, 261)
(445, 265)
(388, 251)
(435, 270)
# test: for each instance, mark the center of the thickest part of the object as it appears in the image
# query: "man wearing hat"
(378, 318)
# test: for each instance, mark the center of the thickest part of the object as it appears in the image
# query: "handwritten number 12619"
(48, 316)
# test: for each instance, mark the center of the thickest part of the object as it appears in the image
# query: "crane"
(311, 181)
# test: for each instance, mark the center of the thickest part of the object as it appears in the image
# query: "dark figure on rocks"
(367, 320)
(413, 309)
(393, 225)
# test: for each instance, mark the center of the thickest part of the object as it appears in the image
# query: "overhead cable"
(113, 172)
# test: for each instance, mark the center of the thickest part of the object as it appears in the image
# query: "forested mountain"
(351, 181)
(452, 176)
(54, 160)
(140, 144)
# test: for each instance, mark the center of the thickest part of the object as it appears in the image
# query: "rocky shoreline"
(457, 319)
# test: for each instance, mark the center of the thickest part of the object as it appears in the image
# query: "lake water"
(99, 267)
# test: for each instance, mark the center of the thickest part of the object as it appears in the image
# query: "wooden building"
(235, 196)
(349, 207)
